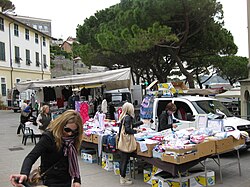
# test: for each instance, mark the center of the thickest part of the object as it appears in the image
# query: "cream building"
(24, 54)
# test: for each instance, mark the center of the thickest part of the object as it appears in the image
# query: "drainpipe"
(11, 61)
(41, 45)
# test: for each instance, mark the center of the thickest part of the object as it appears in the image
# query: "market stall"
(64, 92)
(173, 152)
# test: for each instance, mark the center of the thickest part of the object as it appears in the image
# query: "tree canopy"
(7, 5)
(155, 37)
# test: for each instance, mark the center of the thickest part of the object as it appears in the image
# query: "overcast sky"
(66, 15)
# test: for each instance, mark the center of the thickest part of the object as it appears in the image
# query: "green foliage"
(233, 68)
(7, 6)
(153, 37)
(56, 50)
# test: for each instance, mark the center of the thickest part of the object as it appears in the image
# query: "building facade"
(24, 54)
(42, 25)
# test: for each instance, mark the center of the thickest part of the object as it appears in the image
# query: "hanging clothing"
(84, 111)
(104, 106)
(100, 118)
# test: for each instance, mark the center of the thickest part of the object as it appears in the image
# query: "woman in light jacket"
(43, 118)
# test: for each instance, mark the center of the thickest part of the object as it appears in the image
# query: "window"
(36, 38)
(37, 59)
(3, 87)
(27, 34)
(46, 28)
(211, 106)
(16, 31)
(1, 24)
(28, 61)
(45, 65)
(44, 41)
(2, 51)
(182, 110)
(17, 55)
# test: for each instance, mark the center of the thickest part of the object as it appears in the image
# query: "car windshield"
(210, 106)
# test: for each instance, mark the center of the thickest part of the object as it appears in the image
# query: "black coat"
(163, 124)
(46, 148)
(129, 125)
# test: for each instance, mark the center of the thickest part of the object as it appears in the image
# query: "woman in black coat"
(166, 118)
(58, 151)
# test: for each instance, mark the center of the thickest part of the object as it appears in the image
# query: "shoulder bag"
(36, 177)
(126, 142)
(25, 114)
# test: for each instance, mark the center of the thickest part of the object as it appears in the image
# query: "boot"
(124, 181)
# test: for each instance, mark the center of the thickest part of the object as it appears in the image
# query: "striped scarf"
(70, 151)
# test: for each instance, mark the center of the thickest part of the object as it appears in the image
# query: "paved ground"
(92, 174)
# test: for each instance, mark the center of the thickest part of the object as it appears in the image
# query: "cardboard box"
(149, 174)
(86, 138)
(206, 148)
(182, 151)
(111, 156)
(90, 158)
(173, 182)
(179, 159)
(109, 166)
(241, 141)
(224, 145)
(148, 153)
(95, 138)
(117, 169)
(200, 180)
(85, 152)
(155, 181)
(103, 162)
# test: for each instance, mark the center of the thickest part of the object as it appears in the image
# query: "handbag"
(126, 142)
(25, 114)
(36, 177)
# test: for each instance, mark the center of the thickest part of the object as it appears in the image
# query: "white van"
(189, 107)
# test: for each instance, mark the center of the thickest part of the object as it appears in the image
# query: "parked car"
(190, 107)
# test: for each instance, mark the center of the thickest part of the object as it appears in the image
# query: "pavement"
(12, 153)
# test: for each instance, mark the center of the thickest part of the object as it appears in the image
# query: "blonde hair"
(127, 108)
(57, 127)
(43, 109)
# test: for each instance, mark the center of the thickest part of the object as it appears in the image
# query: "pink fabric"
(84, 111)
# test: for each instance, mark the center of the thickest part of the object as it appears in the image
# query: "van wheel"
(15, 110)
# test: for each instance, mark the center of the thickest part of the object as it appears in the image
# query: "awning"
(113, 79)
(229, 94)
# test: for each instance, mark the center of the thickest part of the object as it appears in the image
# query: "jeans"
(124, 163)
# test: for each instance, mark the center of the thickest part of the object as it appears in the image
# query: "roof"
(23, 24)
(112, 79)
(234, 93)
(189, 98)
(213, 80)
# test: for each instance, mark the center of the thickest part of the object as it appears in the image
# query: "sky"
(66, 15)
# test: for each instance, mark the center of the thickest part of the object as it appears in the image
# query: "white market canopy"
(233, 93)
(113, 79)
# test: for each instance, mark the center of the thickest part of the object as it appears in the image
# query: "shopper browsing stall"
(126, 122)
(58, 151)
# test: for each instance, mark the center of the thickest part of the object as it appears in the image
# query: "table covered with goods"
(174, 152)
